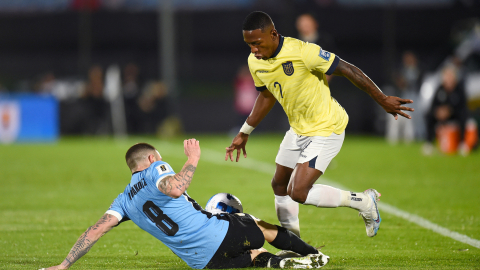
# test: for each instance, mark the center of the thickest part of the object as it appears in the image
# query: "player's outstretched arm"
(175, 185)
(263, 105)
(87, 240)
(390, 104)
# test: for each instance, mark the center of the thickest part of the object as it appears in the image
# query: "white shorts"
(317, 150)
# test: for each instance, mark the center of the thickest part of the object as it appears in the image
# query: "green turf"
(51, 193)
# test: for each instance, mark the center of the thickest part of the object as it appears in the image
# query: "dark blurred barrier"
(88, 116)
(210, 50)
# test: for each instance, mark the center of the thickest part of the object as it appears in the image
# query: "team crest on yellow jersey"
(288, 68)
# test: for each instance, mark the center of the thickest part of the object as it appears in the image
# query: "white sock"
(287, 213)
(356, 200)
(324, 196)
(327, 196)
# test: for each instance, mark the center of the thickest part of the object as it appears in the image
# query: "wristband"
(246, 128)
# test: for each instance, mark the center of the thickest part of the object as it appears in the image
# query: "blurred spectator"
(130, 80)
(94, 87)
(407, 82)
(153, 105)
(449, 106)
(46, 84)
(324, 3)
(131, 93)
(97, 110)
(113, 4)
(309, 31)
(86, 4)
(90, 114)
(245, 96)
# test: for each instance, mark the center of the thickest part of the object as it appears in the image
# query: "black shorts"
(242, 236)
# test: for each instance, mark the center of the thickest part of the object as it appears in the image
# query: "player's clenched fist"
(192, 148)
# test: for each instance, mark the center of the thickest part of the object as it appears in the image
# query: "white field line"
(429, 225)
(216, 157)
(248, 163)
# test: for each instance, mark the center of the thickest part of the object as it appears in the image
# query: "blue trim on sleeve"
(261, 88)
(333, 66)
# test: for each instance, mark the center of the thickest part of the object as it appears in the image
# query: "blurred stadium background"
(78, 72)
(178, 59)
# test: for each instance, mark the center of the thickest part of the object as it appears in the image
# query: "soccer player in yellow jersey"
(292, 72)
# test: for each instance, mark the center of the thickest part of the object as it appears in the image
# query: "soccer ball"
(224, 203)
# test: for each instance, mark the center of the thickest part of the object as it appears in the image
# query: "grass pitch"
(51, 193)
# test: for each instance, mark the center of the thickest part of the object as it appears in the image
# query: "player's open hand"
(238, 143)
(393, 106)
(191, 148)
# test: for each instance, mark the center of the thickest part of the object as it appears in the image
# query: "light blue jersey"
(181, 224)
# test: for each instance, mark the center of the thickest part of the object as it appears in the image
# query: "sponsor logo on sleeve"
(324, 54)
(162, 169)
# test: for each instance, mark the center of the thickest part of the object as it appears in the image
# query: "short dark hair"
(257, 20)
(136, 153)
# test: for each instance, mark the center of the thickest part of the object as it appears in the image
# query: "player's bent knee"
(299, 196)
(269, 230)
(265, 225)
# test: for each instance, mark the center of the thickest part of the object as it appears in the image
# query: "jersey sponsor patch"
(288, 68)
(162, 169)
(324, 54)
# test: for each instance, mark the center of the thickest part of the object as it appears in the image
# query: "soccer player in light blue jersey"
(156, 200)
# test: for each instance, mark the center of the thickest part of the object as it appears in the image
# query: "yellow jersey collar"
(280, 45)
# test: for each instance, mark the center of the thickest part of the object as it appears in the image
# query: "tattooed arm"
(390, 104)
(87, 240)
(175, 185)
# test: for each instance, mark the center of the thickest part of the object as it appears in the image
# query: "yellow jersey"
(295, 75)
